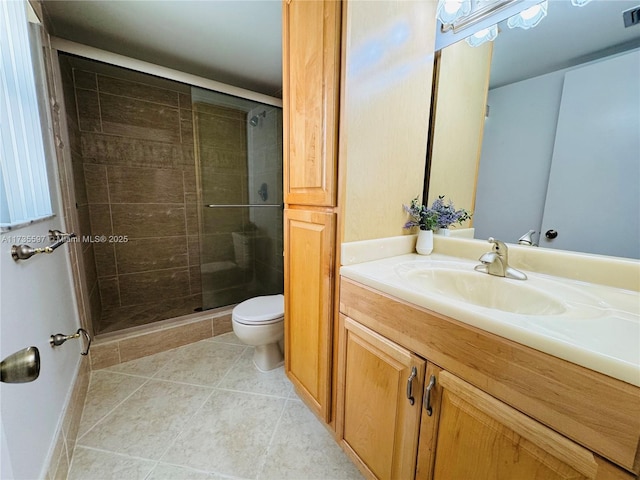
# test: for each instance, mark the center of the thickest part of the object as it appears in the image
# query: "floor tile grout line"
(216, 339)
(110, 411)
(119, 454)
(112, 369)
(268, 395)
(155, 464)
(182, 348)
(214, 389)
(146, 477)
(215, 385)
(176, 353)
(185, 424)
(273, 435)
(237, 360)
(135, 375)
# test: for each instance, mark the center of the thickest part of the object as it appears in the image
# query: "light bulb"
(450, 11)
(529, 17)
(483, 36)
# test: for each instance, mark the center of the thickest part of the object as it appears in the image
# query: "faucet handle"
(527, 238)
(498, 246)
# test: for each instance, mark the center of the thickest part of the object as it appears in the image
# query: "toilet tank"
(244, 249)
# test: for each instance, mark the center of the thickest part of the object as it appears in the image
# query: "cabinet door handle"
(427, 397)
(414, 373)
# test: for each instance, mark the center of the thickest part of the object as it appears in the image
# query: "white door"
(597, 143)
(36, 300)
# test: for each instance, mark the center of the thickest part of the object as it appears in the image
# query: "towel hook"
(59, 338)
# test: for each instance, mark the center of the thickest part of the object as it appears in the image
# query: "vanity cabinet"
(457, 430)
(311, 85)
(499, 410)
(309, 237)
(380, 390)
(470, 434)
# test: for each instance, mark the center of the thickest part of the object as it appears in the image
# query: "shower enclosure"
(178, 194)
(239, 161)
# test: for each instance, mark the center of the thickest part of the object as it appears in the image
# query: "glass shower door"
(239, 158)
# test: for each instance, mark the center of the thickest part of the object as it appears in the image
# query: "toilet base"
(267, 357)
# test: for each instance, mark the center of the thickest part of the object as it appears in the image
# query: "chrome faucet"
(496, 262)
(527, 239)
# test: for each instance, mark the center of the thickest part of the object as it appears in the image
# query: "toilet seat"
(263, 310)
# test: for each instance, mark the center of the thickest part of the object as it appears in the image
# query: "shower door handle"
(279, 205)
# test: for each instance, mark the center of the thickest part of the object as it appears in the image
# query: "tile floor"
(202, 411)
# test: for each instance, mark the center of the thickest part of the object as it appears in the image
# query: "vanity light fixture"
(450, 11)
(483, 36)
(529, 17)
(477, 11)
(458, 15)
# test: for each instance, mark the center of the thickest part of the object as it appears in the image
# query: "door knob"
(551, 234)
(21, 367)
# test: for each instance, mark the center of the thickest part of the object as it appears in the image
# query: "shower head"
(256, 118)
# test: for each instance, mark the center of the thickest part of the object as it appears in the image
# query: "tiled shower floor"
(202, 411)
(120, 318)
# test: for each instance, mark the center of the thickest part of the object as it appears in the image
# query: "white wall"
(517, 152)
(595, 171)
(516, 157)
(385, 113)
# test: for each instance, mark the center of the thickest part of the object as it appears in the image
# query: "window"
(24, 187)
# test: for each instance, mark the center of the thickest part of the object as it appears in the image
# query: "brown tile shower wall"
(139, 171)
(83, 227)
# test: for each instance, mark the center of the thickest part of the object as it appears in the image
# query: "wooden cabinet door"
(377, 423)
(311, 66)
(309, 239)
(473, 435)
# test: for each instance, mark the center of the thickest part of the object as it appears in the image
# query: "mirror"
(557, 147)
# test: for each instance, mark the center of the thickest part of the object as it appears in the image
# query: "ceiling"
(567, 36)
(239, 42)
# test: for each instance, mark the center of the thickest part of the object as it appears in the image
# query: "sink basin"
(591, 325)
(513, 296)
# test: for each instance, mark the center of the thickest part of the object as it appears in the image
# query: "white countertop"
(599, 328)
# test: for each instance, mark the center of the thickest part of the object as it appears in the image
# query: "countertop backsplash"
(612, 271)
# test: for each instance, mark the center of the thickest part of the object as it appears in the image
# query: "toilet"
(259, 321)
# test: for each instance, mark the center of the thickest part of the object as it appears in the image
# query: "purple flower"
(440, 215)
(447, 213)
(421, 216)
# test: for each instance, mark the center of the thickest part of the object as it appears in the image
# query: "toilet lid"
(265, 309)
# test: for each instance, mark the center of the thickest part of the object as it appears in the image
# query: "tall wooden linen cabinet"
(311, 79)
